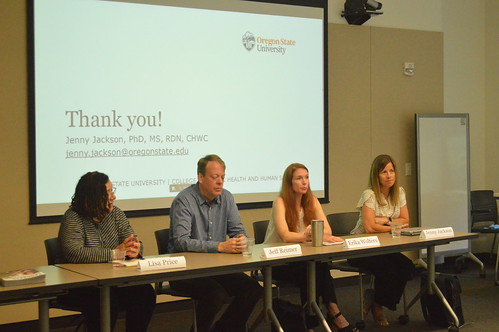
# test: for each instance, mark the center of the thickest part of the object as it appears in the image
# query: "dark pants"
(213, 292)
(138, 301)
(296, 273)
(391, 272)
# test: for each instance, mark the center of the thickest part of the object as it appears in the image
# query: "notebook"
(411, 231)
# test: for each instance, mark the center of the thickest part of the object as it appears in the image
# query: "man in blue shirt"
(201, 218)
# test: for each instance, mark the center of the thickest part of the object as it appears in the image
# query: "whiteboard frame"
(443, 163)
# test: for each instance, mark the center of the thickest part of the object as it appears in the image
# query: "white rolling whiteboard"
(443, 175)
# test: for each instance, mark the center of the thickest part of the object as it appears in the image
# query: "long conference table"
(210, 264)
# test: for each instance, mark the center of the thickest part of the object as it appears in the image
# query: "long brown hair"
(379, 163)
(91, 198)
(288, 196)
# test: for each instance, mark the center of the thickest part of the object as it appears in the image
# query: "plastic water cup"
(248, 249)
(119, 259)
(396, 229)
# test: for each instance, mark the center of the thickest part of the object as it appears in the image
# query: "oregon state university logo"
(248, 41)
(267, 44)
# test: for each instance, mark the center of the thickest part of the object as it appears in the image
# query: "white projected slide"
(142, 91)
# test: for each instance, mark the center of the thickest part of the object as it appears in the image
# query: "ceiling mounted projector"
(359, 11)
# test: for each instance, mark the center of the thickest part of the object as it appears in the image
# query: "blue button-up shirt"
(196, 225)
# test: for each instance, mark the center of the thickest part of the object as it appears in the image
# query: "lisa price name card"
(161, 263)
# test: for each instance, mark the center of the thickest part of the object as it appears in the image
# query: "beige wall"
(491, 94)
(467, 69)
(372, 104)
(371, 111)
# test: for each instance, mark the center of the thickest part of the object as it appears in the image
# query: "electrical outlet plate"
(409, 68)
(408, 169)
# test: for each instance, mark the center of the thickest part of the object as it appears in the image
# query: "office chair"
(259, 230)
(484, 215)
(54, 251)
(341, 224)
(162, 239)
(55, 256)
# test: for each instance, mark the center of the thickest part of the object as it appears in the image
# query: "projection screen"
(142, 89)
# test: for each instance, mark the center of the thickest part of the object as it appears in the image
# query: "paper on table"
(332, 243)
(127, 263)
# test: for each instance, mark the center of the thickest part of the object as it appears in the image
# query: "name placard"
(282, 251)
(362, 242)
(160, 263)
(434, 233)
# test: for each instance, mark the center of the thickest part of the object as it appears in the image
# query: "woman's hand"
(372, 223)
(132, 246)
(308, 233)
(381, 220)
(134, 250)
(332, 238)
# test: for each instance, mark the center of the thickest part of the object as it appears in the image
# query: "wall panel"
(396, 97)
(349, 114)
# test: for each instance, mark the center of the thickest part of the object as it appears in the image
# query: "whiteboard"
(443, 175)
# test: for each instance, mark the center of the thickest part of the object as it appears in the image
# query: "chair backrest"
(260, 229)
(162, 238)
(342, 223)
(483, 206)
(54, 251)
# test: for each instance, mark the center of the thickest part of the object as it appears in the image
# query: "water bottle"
(317, 232)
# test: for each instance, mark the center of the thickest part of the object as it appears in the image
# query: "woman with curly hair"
(93, 230)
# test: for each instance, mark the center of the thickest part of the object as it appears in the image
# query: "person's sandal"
(379, 316)
(331, 320)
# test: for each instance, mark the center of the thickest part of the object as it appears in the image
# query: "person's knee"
(408, 270)
(142, 296)
(145, 290)
(149, 291)
(216, 298)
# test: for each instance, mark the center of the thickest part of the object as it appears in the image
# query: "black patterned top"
(86, 241)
